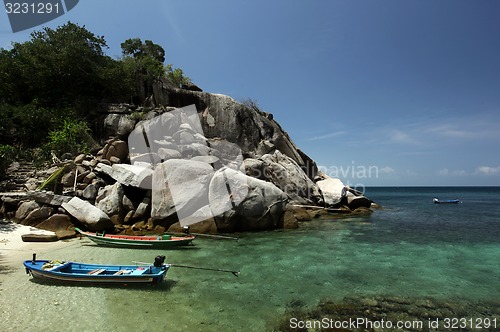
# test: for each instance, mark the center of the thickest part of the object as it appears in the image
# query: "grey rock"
(127, 203)
(43, 197)
(254, 168)
(287, 175)
(119, 125)
(56, 222)
(88, 214)
(249, 204)
(80, 158)
(34, 237)
(166, 154)
(68, 179)
(89, 177)
(109, 199)
(333, 190)
(357, 200)
(180, 186)
(129, 175)
(115, 148)
(24, 209)
(90, 193)
(142, 208)
(36, 216)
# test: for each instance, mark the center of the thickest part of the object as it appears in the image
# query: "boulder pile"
(217, 166)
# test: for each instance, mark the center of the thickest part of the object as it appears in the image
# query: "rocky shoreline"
(381, 313)
(196, 158)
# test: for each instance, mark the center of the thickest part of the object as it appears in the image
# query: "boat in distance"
(138, 241)
(71, 272)
(446, 201)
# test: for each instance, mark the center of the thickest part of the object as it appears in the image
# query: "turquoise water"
(409, 249)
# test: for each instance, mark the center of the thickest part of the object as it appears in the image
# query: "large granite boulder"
(180, 186)
(60, 224)
(333, 190)
(118, 124)
(222, 118)
(241, 202)
(36, 216)
(93, 218)
(24, 210)
(128, 175)
(287, 175)
(356, 200)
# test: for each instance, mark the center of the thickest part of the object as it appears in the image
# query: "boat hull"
(144, 242)
(71, 272)
(449, 201)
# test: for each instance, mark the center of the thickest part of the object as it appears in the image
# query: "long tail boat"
(164, 241)
(446, 201)
(70, 272)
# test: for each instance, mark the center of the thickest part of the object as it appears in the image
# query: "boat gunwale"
(136, 238)
(57, 275)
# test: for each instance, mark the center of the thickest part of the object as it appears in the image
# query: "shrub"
(74, 136)
(251, 103)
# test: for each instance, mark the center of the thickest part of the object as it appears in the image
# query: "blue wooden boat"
(71, 272)
(447, 201)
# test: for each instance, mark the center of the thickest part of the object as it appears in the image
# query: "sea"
(410, 266)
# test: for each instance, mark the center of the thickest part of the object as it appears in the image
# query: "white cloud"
(459, 172)
(447, 172)
(444, 172)
(330, 135)
(486, 170)
(386, 170)
(467, 128)
(397, 136)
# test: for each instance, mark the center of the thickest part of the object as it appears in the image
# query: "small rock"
(31, 237)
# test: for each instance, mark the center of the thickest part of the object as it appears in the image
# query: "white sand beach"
(12, 248)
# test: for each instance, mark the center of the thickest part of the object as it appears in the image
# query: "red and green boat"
(164, 241)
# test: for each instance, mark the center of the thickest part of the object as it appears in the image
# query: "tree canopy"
(144, 61)
(57, 67)
(56, 79)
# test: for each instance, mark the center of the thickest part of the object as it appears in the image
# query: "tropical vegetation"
(52, 84)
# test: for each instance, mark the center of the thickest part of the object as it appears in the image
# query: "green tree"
(176, 76)
(26, 126)
(61, 67)
(144, 62)
(73, 137)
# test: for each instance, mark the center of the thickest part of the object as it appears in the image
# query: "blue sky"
(378, 92)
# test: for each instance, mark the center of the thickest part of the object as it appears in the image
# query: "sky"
(377, 92)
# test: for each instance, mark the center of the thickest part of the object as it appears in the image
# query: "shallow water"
(410, 249)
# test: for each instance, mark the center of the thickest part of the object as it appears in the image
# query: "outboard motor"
(159, 260)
